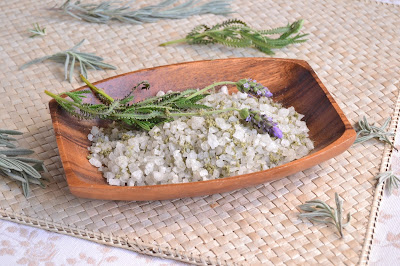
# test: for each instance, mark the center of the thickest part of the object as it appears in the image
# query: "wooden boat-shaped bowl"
(292, 82)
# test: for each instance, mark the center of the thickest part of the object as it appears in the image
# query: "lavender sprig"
(251, 87)
(261, 122)
(156, 110)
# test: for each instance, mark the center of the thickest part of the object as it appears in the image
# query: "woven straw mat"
(352, 46)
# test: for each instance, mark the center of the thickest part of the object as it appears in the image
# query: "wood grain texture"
(292, 82)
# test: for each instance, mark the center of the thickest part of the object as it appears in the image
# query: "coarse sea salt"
(196, 148)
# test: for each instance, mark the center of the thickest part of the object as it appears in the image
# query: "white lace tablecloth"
(386, 242)
(25, 245)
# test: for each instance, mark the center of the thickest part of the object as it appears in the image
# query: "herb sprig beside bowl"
(113, 10)
(320, 212)
(366, 131)
(70, 58)
(236, 33)
(37, 31)
(390, 180)
(14, 165)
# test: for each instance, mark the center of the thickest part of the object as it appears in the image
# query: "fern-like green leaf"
(189, 105)
(236, 33)
(76, 96)
(143, 124)
(139, 116)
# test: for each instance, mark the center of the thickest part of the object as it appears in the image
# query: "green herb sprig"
(367, 131)
(391, 181)
(70, 58)
(110, 10)
(236, 33)
(320, 212)
(156, 110)
(37, 31)
(12, 165)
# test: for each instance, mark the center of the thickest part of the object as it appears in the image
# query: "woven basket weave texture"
(352, 46)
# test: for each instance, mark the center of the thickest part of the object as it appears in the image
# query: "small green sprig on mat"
(37, 31)
(12, 165)
(391, 181)
(319, 211)
(70, 58)
(156, 110)
(366, 131)
(236, 33)
(110, 10)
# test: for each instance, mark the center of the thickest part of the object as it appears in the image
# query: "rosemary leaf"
(37, 31)
(21, 169)
(391, 181)
(15, 152)
(367, 131)
(111, 10)
(236, 33)
(72, 56)
(319, 211)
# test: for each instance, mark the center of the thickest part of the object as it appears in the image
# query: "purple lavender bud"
(248, 119)
(251, 87)
(277, 132)
(268, 94)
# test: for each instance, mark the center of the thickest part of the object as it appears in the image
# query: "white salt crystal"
(138, 174)
(285, 143)
(239, 133)
(224, 89)
(283, 112)
(203, 172)
(149, 168)
(95, 162)
(114, 182)
(96, 149)
(109, 175)
(160, 93)
(196, 122)
(122, 161)
(219, 163)
(222, 124)
(158, 176)
(212, 140)
(95, 130)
